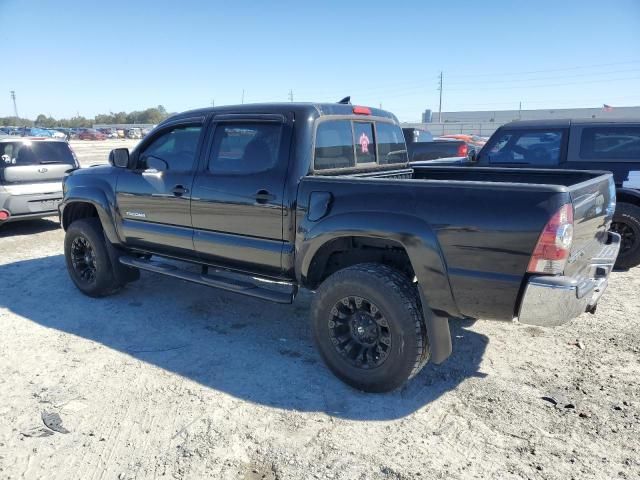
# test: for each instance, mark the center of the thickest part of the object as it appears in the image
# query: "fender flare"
(99, 199)
(421, 244)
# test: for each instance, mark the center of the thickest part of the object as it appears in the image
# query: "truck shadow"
(29, 227)
(253, 350)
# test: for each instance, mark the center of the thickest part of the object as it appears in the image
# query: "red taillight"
(4, 215)
(553, 247)
(362, 110)
(463, 150)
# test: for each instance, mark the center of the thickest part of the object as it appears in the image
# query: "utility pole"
(520, 111)
(440, 105)
(290, 95)
(213, 102)
(15, 107)
(243, 96)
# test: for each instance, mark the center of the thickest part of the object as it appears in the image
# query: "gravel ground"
(172, 380)
(94, 152)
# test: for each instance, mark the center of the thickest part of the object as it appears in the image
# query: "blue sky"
(67, 57)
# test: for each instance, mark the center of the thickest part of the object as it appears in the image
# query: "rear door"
(237, 203)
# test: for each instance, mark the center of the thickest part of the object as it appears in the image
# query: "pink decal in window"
(364, 143)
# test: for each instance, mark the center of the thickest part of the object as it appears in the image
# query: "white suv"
(31, 172)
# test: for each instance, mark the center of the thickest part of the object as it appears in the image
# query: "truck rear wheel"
(368, 327)
(626, 222)
(87, 258)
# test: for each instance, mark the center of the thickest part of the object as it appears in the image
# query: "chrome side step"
(242, 284)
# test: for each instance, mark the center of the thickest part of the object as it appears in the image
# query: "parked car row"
(75, 133)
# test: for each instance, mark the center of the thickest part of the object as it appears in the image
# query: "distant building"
(504, 116)
(486, 122)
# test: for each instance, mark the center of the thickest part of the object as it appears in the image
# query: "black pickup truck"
(585, 144)
(266, 199)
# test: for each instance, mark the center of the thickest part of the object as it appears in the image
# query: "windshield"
(34, 153)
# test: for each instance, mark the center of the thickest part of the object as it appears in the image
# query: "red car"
(91, 134)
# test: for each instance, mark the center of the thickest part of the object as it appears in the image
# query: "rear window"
(365, 146)
(34, 153)
(391, 146)
(620, 143)
(345, 143)
(334, 145)
(539, 147)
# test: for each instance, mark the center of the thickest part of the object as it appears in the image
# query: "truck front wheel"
(87, 258)
(368, 327)
(626, 222)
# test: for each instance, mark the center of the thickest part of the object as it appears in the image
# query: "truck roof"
(566, 122)
(317, 109)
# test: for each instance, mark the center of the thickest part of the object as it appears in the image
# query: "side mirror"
(119, 157)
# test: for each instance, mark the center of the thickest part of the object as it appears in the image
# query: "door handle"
(179, 190)
(263, 196)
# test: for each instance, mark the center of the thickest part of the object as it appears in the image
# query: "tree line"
(151, 115)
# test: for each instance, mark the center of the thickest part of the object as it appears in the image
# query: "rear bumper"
(551, 301)
(30, 216)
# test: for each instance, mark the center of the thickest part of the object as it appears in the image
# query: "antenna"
(345, 101)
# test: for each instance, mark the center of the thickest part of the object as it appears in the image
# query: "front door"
(237, 201)
(154, 199)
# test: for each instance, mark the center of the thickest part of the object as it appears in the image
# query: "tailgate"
(34, 173)
(593, 207)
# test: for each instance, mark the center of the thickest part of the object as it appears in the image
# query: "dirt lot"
(172, 380)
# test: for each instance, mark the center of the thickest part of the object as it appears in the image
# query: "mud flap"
(438, 333)
(122, 273)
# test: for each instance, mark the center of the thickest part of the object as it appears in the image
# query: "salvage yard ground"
(171, 380)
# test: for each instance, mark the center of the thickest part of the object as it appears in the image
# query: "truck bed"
(482, 223)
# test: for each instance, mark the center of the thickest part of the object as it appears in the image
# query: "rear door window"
(616, 143)
(334, 145)
(539, 147)
(365, 144)
(247, 147)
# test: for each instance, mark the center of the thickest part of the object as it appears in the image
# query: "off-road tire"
(104, 281)
(396, 298)
(629, 215)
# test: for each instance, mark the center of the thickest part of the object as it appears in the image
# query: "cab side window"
(173, 150)
(621, 143)
(245, 147)
(540, 147)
